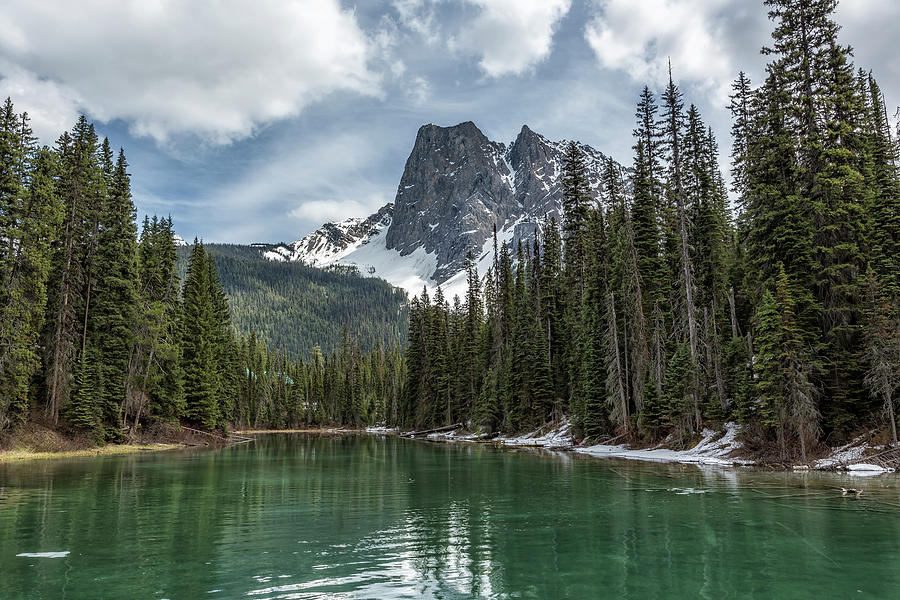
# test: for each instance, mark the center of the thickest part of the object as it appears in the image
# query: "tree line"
(660, 309)
(663, 307)
(99, 334)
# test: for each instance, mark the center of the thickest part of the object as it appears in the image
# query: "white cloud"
(639, 37)
(293, 191)
(322, 211)
(419, 90)
(511, 36)
(53, 107)
(171, 67)
(874, 44)
(419, 16)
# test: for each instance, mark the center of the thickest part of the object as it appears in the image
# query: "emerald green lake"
(358, 516)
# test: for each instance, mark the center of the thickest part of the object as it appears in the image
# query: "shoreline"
(21, 453)
(319, 430)
(719, 448)
(24, 454)
(715, 448)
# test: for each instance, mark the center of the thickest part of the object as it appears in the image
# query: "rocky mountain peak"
(456, 186)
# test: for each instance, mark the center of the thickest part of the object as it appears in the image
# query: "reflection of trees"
(381, 516)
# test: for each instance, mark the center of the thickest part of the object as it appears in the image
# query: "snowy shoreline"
(715, 448)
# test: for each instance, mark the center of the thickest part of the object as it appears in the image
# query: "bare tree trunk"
(641, 353)
(54, 389)
(803, 447)
(690, 312)
(137, 416)
(717, 362)
(613, 330)
(889, 405)
(87, 308)
(735, 330)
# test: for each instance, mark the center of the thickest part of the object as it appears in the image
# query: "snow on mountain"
(456, 187)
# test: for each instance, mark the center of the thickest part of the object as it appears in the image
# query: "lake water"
(304, 516)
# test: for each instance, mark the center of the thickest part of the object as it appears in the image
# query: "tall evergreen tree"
(115, 282)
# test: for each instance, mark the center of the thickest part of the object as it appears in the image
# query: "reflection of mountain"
(457, 185)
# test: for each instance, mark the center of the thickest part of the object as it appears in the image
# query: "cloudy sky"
(258, 121)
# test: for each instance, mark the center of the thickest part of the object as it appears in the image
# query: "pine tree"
(673, 119)
(783, 369)
(87, 412)
(154, 384)
(741, 106)
(111, 319)
(589, 408)
(79, 174)
(576, 195)
(200, 343)
(645, 214)
(553, 313)
(539, 343)
(439, 349)
(470, 345)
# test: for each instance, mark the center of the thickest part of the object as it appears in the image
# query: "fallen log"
(435, 430)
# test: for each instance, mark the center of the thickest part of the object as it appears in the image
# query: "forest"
(294, 307)
(99, 335)
(671, 305)
(666, 307)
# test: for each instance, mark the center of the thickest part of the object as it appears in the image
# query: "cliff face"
(456, 186)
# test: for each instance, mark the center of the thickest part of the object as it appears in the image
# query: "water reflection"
(367, 517)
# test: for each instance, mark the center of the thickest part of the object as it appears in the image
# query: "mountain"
(456, 186)
(294, 307)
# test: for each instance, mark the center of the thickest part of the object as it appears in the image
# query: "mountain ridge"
(456, 186)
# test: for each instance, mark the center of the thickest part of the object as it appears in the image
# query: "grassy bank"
(38, 441)
(18, 454)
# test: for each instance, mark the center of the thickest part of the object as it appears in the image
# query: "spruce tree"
(673, 126)
(111, 318)
(200, 343)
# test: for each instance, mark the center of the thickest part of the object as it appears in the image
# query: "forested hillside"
(293, 307)
(98, 334)
(653, 315)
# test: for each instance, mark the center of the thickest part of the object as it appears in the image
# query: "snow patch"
(560, 437)
(381, 429)
(713, 449)
(848, 453)
(273, 255)
(867, 468)
(411, 272)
